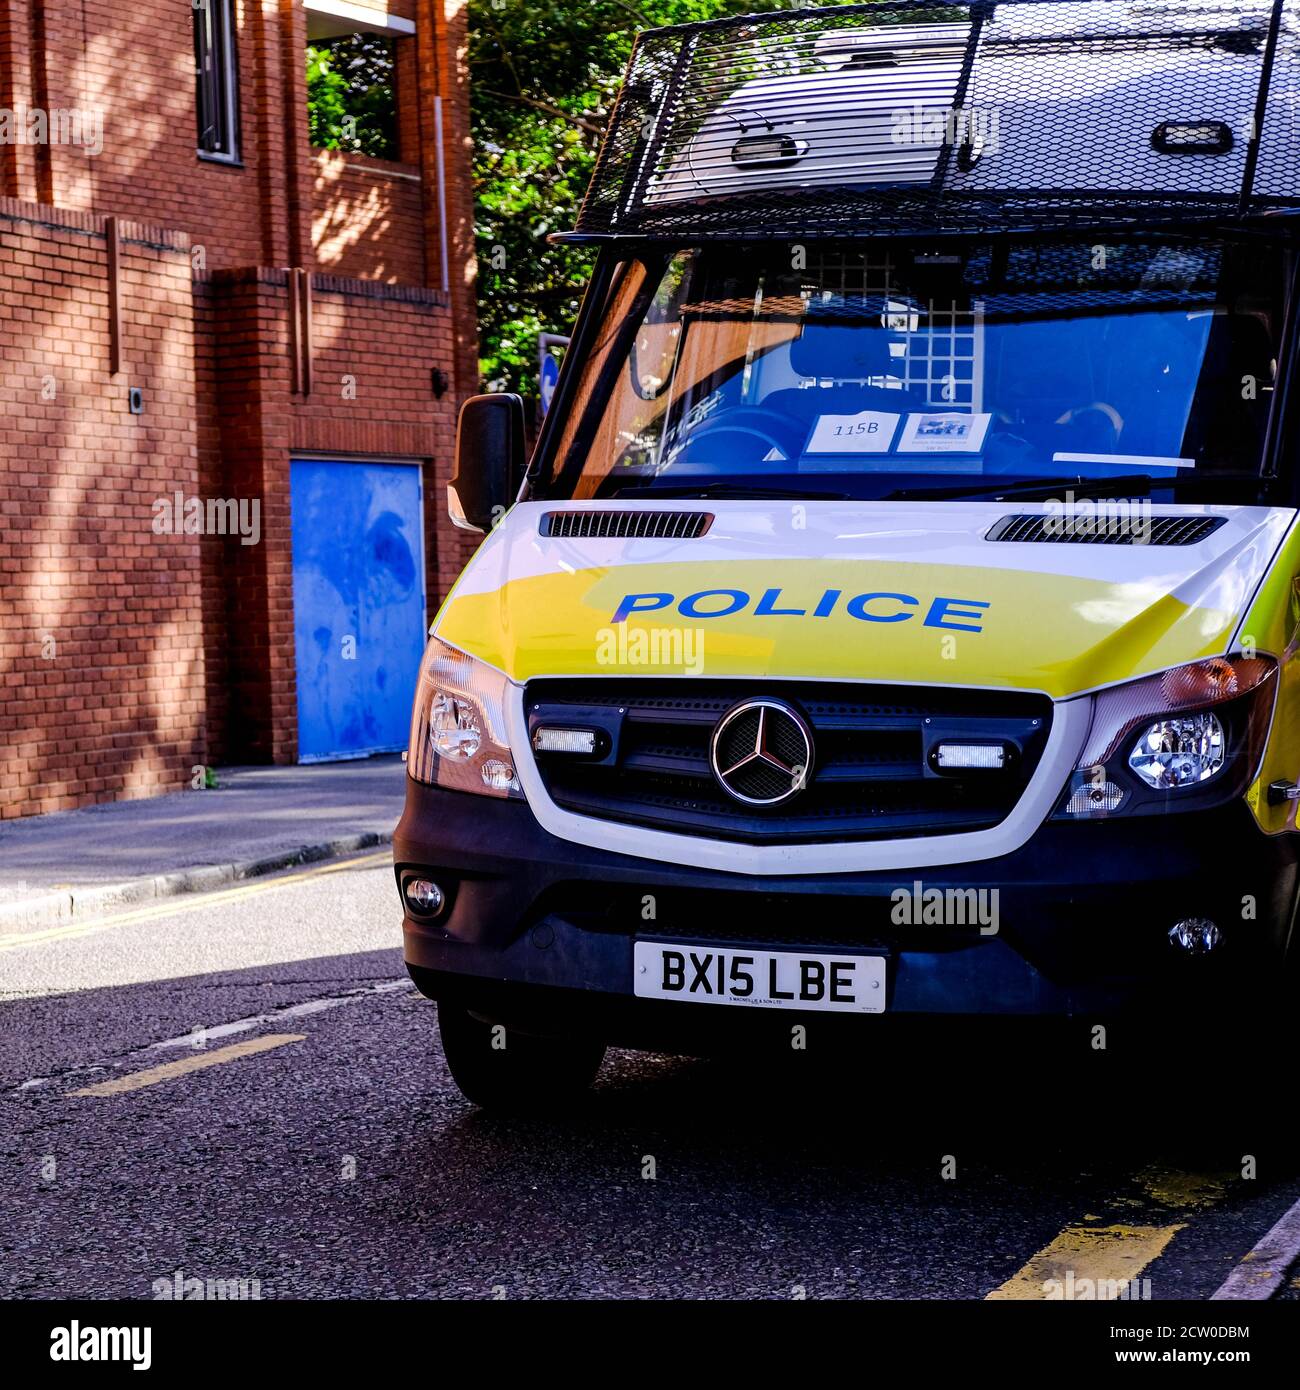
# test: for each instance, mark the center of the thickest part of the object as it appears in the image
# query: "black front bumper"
(1083, 913)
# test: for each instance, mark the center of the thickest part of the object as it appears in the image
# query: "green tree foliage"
(351, 102)
(543, 78)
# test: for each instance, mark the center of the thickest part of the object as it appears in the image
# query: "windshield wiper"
(733, 490)
(1031, 488)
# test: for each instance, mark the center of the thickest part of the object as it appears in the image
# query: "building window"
(216, 72)
(351, 94)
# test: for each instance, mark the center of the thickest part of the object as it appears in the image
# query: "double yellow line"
(185, 903)
(137, 1080)
(1085, 1258)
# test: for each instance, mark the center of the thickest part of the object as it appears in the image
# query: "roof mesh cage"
(902, 116)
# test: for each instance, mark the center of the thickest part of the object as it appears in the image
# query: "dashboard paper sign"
(868, 432)
(944, 433)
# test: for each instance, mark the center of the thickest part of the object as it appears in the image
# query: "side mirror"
(489, 460)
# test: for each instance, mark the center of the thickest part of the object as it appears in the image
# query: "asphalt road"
(326, 1152)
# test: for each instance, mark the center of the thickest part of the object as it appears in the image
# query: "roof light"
(1192, 137)
(767, 151)
(889, 46)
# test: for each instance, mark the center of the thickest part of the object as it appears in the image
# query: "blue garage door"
(358, 604)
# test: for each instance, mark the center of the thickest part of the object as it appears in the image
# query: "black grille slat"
(688, 717)
(639, 524)
(860, 770)
(684, 763)
(684, 816)
(668, 764)
(1036, 529)
(869, 779)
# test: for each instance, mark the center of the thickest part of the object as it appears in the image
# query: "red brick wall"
(175, 651)
(368, 218)
(374, 351)
(443, 67)
(134, 62)
(249, 646)
(214, 558)
(101, 659)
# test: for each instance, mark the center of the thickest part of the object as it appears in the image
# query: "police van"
(899, 611)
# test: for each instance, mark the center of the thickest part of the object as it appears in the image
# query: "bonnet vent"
(1104, 529)
(641, 524)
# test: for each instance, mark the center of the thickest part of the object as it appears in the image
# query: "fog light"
(1197, 936)
(424, 897)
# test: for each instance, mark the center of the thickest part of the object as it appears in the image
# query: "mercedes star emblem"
(762, 752)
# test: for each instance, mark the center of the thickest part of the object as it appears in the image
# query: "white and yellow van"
(899, 611)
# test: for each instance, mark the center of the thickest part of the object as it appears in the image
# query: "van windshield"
(879, 370)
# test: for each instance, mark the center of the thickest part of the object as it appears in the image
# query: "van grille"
(1103, 530)
(872, 775)
(641, 524)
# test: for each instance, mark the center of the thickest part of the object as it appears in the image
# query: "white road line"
(200, 1038)
(1260, 1272)
(310, 1006)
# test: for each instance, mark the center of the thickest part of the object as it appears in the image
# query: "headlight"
(1179, 752)
(458, 735)
(455, 727)
(1188, 737)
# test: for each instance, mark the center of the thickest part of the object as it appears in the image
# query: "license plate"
(761, 979)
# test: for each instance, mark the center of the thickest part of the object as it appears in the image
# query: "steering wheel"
(757, 432)
(1093, 428)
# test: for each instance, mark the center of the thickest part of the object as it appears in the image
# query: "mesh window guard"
(912, 118)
